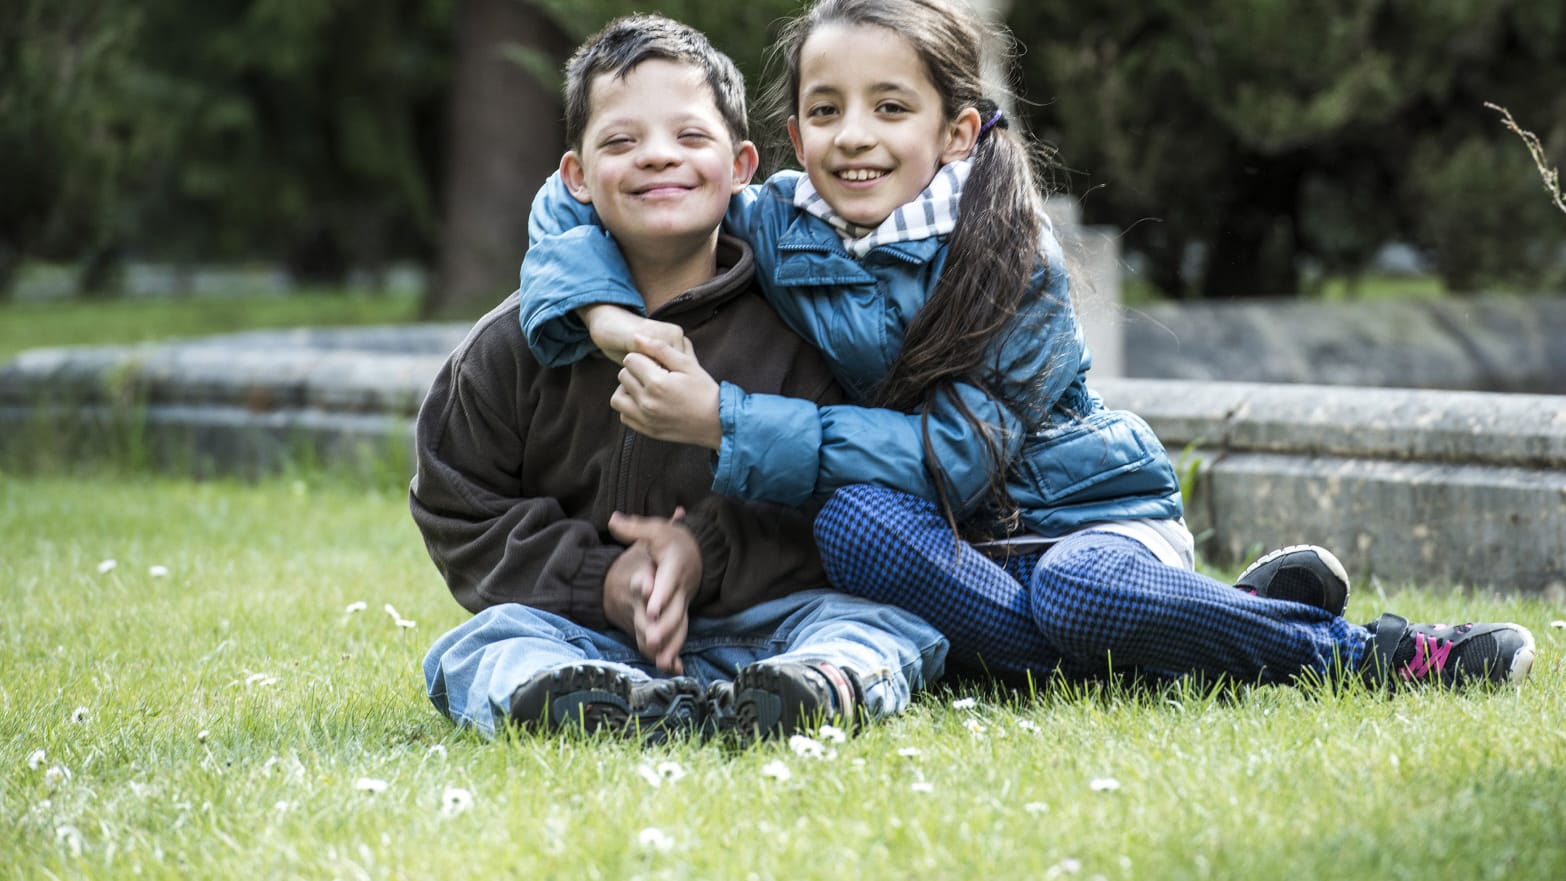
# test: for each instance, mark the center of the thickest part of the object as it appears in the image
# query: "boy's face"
(657, 161)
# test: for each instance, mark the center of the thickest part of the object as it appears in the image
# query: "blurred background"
(1241, 149)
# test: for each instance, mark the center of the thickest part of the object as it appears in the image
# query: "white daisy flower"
(407, 624)
(1067, 866)
(1036, 807)
(776, 770)
(281, 807)
(1103, 784)
(36, 759)
(1029, 726)
(671, 772)
(108, 566)
(653, 839)
(70, 838)
(57, 774)
(833, 734)
(965, 703)
(910, 752)
(974, 726)
(1558, 625)
(923, 786)
(202, 735)
(436, 751)
(260, 679)
(158, 571)
(370, 784)
(392, 611)
(356, 606)
(80, 715)
(455, 800)
(807, 747)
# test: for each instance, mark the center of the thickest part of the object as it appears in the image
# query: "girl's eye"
(821, 111)
(891, 107)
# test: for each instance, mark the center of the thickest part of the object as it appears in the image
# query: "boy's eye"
(695, 137)
(618, 142)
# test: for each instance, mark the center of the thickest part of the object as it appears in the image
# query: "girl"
(914, 253)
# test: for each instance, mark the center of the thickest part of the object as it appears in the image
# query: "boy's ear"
(961, 135)
(746, 161)
(793, 138)
(574, 176)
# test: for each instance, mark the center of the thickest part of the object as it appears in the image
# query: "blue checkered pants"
(1092, 603)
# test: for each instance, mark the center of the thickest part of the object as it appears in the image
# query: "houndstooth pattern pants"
(1093, 603)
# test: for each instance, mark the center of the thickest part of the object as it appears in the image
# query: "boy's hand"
(625, 588)
(666, 394)
(676, 575)
(613, 330)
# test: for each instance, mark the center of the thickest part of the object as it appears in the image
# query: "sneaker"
(1299, 573)
(1467, 654)
(719, 719)
(595, 697)
(772, 699)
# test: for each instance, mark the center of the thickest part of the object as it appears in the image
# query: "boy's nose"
(657, 153)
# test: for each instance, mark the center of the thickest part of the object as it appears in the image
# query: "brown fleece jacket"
(520, 465)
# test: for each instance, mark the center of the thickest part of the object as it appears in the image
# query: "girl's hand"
(664, 393)
(614, 329)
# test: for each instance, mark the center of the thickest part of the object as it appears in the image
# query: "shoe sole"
(593, 699)
(1522, 661)
(1326, 557)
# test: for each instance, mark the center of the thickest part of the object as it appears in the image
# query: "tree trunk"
(505, 137)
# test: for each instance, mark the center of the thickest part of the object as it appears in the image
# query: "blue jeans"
(472, 671)
(1092, 603)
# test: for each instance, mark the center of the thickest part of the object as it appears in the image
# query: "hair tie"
(998, 120)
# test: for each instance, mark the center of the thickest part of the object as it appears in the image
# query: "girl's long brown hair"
(992, 255)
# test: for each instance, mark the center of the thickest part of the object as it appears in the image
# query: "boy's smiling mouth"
(860, 174)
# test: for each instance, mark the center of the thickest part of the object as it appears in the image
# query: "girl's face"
(869, 130)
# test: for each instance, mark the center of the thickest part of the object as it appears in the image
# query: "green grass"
(27, 325)
(232, 705)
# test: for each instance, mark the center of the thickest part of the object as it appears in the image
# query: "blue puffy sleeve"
(790, 451)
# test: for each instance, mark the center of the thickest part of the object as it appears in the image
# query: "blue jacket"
(1073, 461)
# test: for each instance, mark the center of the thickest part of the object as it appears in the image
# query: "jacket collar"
(736, 269)
(811, 253)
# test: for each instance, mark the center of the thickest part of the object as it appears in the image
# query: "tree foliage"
(1269, 137)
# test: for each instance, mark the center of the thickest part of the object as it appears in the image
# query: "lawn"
(26, 325)
(210, 706)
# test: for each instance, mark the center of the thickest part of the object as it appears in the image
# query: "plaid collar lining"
(932, 213)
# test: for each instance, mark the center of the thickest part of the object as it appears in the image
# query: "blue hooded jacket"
(1072, 461)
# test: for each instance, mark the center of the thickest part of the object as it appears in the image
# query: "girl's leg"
(896, 548)
(1107, 601)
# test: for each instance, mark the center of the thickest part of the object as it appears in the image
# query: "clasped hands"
(649, 588)
(664, 392)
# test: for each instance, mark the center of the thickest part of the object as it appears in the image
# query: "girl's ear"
(574, 176)
(961, 135)
(793, 138)
(746, 161)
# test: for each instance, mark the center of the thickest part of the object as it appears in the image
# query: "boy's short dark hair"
(624, 43)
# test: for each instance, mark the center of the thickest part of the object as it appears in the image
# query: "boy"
(612, 589)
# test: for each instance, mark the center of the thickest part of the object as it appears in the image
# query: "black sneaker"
(1299, 573)
(719, 719)
(594, 697)
(1467, 654)
(772, 699)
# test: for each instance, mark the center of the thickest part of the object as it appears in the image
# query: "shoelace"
(1430, 654)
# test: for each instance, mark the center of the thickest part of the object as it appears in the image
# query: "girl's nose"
(853, 135)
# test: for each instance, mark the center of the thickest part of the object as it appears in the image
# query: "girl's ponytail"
(991, 260)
